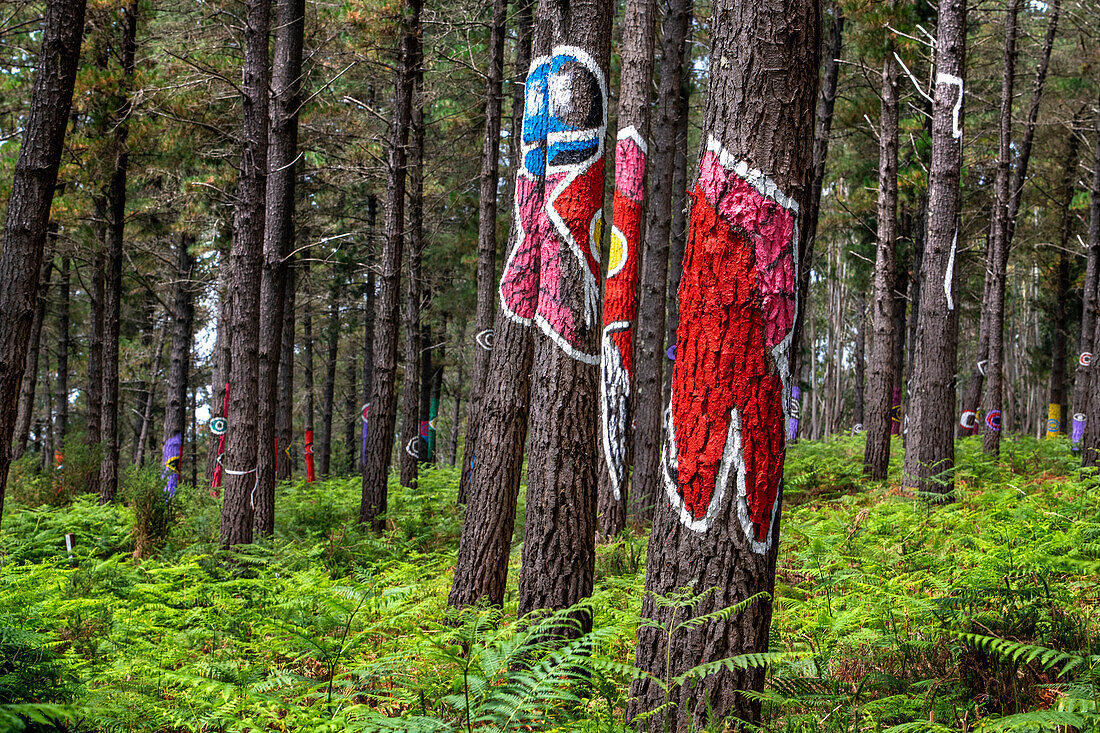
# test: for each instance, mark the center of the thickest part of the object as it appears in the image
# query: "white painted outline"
(612, 359)
(949, 273)
(484, 339)
(1085, 359)
(956, 110)
(973, 420)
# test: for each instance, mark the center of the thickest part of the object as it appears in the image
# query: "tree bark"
(884, 366)
(284, 410)
(368, 331)
(93, 396)
(247, 254)
(1085, 343)
(179, 367)
(116, 223)
(29, 383)
(715, 530)
(1056, 411)
(930, 448)
(621, 292)
(286, 83)
(149, 398)
(486, 228)
(376, 466)
(413, 448)
(323, 453)
(222, 359)
(424, 408)
(649, 349)
(307, 377)
(28, 212)
(63, 317)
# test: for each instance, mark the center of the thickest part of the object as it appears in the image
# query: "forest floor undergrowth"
(891, 613)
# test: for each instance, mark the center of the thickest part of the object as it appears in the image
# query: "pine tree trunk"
(240, 460)
(368, 339)
(383, 416)
(715, 529)
(307, 376)
(649, 352)
(486, 229)
(859, 347)
(832, 46)
(435, 397)
(1056, 410)
(116, 223)
(1085, 343)
(179, 367)
(28, 212)
(284, 408)
(930, 447)
(93, 396)
(222, 359)
(286, 82)
(621, 292)
(63, 317)
(29, 383)
(144, 436)
(424, 408)
(323, 453)
(413, 448)
(884, 365)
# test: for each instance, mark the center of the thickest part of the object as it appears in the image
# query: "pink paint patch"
(629, 169)
(520, 281)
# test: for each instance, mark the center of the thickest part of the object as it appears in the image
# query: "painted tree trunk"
(1056, 407)
(28, 211)
(376, 467)
(63, 317)
(715, 529)
(307, 378)
(649, 351)
(415, 342)
(239, 462)
(28, 385)
(486, 229)
(424, 406)
(179, 368)
(1085, 343)
(930, 447)
(621, 290)
(284, 410)
(116, 223)
(219, 406)
(884, 366)
(435, 398)
(286, 74)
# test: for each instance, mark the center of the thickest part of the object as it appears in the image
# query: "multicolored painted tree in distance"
(558, 199)
(621, 303)
(173, 450)
(731, 384)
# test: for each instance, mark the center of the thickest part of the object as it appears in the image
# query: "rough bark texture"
(307, 376)
(1061, 324)
(649, 349)
(621, 293)
(116, 223)
(997, 271)
(368, 330)
(284, 409)
(832, 45)
(1090, 454)
(220, 376)
(486, 229)
(286, 74)
(413, 448)
(28, 213)
(930, 447)
(715, 529)
(149, 394)
(246, 260)
(179, 367)
(323, 453)
(1085, 341)
(63, 287)
(376, 467)
(29, 383)
(884, 366)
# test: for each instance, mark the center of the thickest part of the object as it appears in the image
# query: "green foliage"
(889, 614)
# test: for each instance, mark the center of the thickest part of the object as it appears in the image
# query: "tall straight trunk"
(220, 374)
(307, 377)
(328, 387)
(859, 346)
(149, 398)
(63, 288)
(717, 523)
(995, 274)
(559, 550)
(930, 448)
(434, 396)
(1085, 343)
(368, 336)
(678, 227)
(116, 223)
(1061, 325)
(456, 407)
(29, 383)
(424, 408)
(246, 259)
(414, 449)
(46, 456)
(564, 307)
(884, 364)
(831, 48)
(621, 293)
(997, 269)
(194, 436)
(486, 228)
(282, 156)
(179, 366)
(93, 394)
(28, 212)
(383, 416)
(351, 415)
(284, 408)
(649, 353)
